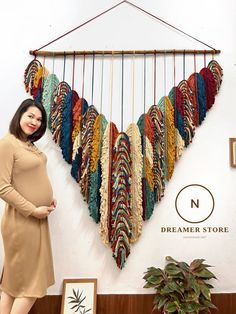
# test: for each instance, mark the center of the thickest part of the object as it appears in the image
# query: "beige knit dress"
(24, 185)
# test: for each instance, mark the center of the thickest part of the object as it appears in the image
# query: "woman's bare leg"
(22, 305)
(6, 303)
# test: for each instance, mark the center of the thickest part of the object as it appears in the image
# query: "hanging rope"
(144, 83)
(155, 76)
(133, 83)
(111, 88)
(93, 65)
(184, 65)
(122, 91)
(101, 95)
(36, 51)
(64, 68)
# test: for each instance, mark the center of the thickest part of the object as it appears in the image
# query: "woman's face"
(31, 121)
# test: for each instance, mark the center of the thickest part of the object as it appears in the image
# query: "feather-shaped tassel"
(136, 180)
(109, 138)
(86, 144)
(76, 159)
(197, 86)
(189, 128)
(168, 112)
(78, 111)
(94, 199)
(41, 73)
(177, 100)
(210, 86)
(158, 151)
(192, 82)
(49, 86)
(66, 125)
(121, 225)
(179, 145)
(201, 97)
(217, 73)
(146, 129)
(37, 87)
(56, 115)
(30, 73)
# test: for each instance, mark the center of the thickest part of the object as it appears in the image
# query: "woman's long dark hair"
(15, 127)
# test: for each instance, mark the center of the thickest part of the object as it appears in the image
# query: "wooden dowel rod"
(120, 52)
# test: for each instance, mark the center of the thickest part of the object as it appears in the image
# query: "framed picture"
(232, 152)
(79, 296)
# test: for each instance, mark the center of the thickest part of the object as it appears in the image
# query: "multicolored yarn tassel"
(29, 75)
(67, 125)
(210, 86)
(189, 128)
(86, 144)
(108, 142)
(59, 98)
(158, 152)
(120, 221)
(78, 112)
(198, 98)
(136, 180)
(169, 118)
(177, 101)
(146, 129)
(217, 73)
(49, 85)
(94, 198)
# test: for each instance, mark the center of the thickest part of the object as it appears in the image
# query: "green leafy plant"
(181, 288)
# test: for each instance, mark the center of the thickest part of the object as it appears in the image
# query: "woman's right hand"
(42, 212)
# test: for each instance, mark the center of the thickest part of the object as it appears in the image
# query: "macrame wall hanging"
(122, 174)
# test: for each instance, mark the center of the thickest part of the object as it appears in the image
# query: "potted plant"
(181, 288)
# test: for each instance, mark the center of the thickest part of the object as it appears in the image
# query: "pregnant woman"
(27, 192)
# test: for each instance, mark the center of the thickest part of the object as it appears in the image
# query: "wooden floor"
(129, 304)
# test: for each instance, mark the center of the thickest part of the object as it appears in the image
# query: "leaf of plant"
(170, 307)
(205, 291)
(74, 293)
(184, 266)
(170, 259)
(196, 263)
(74, 306)
(209, 304)
(155, 280)
(205, 273)
(172, 269)
(195, 286)
(162, 302)
(80, 301)
(154, 271)
(149, 285)
(190, 307)
(73, 301)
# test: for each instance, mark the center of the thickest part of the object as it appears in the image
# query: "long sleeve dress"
(24, 185)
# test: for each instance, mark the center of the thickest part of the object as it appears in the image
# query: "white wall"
(77, 247)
